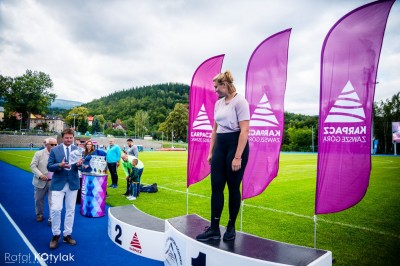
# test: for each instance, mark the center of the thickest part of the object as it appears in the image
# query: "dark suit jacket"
(62, 176)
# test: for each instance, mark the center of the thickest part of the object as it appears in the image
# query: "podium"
(173, 241)
(93, 195)
(137, 232)
(182, 248)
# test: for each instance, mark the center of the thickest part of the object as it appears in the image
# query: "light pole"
(74, 115)
(172, 138)
(312, 138)
(20, 122)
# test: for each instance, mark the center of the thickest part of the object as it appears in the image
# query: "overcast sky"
(93, 48)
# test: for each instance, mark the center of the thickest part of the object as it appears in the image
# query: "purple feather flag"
(265, 91)
(349, 64)
(202, 99)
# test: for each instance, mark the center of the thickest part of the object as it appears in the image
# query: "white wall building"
(54, 123)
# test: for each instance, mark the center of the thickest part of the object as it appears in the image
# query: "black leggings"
(112, 168)
(221, 174)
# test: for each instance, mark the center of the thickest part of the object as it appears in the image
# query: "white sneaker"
(132, 198)
(129, 197)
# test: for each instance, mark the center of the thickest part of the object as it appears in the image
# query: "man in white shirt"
(64, 185)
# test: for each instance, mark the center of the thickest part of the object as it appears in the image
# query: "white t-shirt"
(228, 115)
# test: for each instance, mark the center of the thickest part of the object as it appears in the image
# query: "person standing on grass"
(64, 185)
(42, 178)
(132, 148)
(228, 154)
(113, 156)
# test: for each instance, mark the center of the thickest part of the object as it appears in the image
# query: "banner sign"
(265, 91)
(202, 99)
(349, 63)
(396, 132)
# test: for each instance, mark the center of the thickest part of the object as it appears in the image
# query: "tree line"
(159, 110)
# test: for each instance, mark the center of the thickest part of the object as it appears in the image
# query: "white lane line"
(21, 234)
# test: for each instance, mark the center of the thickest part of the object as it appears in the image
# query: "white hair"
(47, 140)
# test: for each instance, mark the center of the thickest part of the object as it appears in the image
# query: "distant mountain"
(57, 104)
(65, 104)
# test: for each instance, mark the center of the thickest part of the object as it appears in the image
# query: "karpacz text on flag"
(341, 134)
(345, 130)
(265, 135)
(198, 136)
(361, 139)
(265, 132)
(264, 139)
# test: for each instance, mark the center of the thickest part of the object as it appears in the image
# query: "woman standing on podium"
(228, 154)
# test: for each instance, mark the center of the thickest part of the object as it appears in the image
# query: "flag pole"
(315, 231)
(187, 201)
(241, 216)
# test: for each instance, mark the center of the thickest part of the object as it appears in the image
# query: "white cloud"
(93, 48)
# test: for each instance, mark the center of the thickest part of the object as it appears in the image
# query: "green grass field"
(366, 234)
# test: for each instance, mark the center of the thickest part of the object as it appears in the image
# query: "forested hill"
(157, 100)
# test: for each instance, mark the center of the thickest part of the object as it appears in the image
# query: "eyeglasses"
(53, 144)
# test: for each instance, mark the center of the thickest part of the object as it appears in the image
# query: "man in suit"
(65, 184)
(42, 178)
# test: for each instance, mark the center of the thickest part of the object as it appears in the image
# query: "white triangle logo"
(263, 115)
(202, 121)
(347, 108)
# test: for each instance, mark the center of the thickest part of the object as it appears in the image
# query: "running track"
(21, 237)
